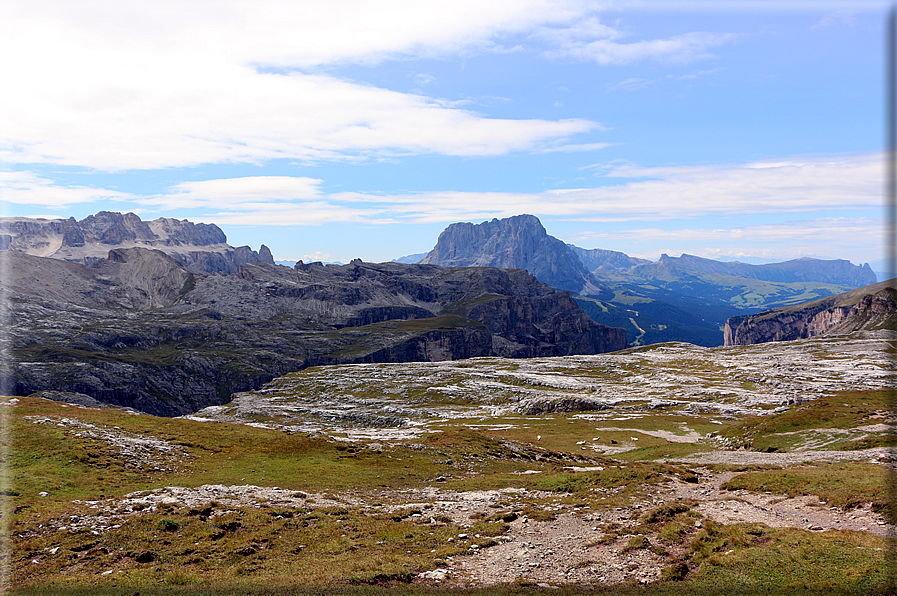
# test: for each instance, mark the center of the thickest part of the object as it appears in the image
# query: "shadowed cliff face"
(200, 248)
(137, 329)
(868, 308)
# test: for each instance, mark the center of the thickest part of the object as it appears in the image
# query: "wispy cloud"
(317, 256)
(837, 18)
(28, 188)
(574, 148)
(626, 193)
(853, 238)
(838, 229)
(237, 193)
(763, 6)
(789, 186)
(594, 41)
(631, 84)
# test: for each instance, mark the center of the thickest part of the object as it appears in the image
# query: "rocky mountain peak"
(518, 242)
(108, 227)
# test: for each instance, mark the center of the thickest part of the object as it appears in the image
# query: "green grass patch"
(661, 451)
(630, 477)
(844, 410)
(311, 548)
(745, 557)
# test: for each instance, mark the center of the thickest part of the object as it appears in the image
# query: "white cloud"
(237, 193)
(576, 147)
(591, 40)
(27, 188)
(245, 116)
(842, 229)
(318, 256)
(631, 84)
(762, 6)
(762, 187)
(142, 85)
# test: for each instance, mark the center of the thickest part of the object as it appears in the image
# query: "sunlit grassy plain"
(371, 549)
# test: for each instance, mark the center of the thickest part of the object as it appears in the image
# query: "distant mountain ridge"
(600, 261)
(837, 271)
(201, 248)
(686, 298)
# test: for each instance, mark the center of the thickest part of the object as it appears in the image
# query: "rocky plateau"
(380, 402)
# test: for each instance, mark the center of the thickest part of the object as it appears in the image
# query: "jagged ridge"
(201, 248)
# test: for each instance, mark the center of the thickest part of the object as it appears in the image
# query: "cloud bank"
(144, 85)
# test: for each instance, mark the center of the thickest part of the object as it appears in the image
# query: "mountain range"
(142, 329)
(686, 298)
(200, 248)
(165, 317)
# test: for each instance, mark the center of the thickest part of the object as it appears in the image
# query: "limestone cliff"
(867, 308)
(138, 329)
(200, 248)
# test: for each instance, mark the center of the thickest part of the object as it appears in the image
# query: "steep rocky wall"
(518, 242)
(872, 307)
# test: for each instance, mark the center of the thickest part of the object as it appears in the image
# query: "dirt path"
(806, 512)
(755, 458)
(572, 549)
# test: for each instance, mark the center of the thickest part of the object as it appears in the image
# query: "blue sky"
(336, 130)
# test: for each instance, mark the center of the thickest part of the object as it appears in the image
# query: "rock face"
(602, 262)
(518, 242)
(201, 248)
(138, 329)
(868, 308)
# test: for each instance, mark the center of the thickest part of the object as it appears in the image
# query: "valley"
(685, 298)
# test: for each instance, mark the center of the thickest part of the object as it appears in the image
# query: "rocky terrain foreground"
(668, 469)
(139, 329)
